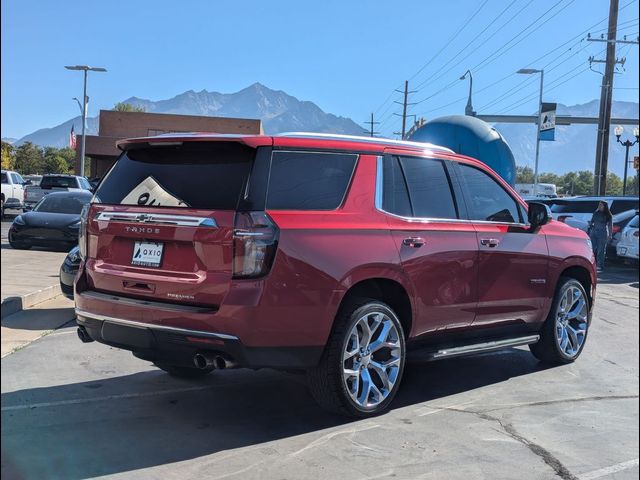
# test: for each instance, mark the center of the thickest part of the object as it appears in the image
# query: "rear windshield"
(59, 182)
(195, 174)
(576, 206)
(62, 204)
(621, 205)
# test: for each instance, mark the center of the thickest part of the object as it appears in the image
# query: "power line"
(451, 39)
(426, 81)
(475, 68)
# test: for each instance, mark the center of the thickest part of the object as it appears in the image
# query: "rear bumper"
(53, 238)
(177, 346)
(13, 204)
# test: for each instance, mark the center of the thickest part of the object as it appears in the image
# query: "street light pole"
(468, 110)
(529, 71)
(85, 101)
(627, 144)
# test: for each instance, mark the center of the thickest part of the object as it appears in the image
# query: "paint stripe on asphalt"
(603, 472)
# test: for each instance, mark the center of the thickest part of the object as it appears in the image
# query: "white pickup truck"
(12, 190)
(54, 183)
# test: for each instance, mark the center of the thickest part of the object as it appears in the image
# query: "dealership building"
(101, 151)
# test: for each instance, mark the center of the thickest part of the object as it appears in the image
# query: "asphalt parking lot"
(75, 411)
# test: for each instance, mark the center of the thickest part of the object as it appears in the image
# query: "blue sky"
(347, 57)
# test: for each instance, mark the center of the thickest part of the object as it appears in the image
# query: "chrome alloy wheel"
(572, 321)
(371, 360)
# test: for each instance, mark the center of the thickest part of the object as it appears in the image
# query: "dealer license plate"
(147, 254)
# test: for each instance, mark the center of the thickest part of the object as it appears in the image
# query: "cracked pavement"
(77, 411)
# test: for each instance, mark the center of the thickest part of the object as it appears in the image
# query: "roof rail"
(357, 138)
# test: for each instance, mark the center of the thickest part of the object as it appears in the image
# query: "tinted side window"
(395, 197)
(623, 205)
(429, 188)
(309, 180)
(5, 179)
(488, 201)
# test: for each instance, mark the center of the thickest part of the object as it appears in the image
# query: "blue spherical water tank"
(472, 137)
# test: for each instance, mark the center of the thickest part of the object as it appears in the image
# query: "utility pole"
(604, 117)
(371, 123)
(404, 107)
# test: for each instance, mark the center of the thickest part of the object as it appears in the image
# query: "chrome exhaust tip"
(222, 362)
(204, 361)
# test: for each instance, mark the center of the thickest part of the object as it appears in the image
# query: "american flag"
(72, 138)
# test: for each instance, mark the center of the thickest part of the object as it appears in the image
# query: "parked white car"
(12, 190)
(628, 245)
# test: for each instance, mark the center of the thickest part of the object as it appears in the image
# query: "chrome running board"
(483, 347)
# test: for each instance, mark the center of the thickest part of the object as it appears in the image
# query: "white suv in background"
(577, 211)
(628, 245)
(12, 190)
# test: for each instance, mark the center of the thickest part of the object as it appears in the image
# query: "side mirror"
(539, 214)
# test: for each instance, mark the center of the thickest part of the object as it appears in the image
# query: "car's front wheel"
(564, 333)
(361, 368)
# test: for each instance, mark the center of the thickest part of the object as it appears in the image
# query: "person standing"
(600, 232)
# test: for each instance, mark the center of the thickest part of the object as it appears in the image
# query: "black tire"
(183, 372)
(326, 380)
(547, 349)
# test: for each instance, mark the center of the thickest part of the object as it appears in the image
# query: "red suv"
(338, 256)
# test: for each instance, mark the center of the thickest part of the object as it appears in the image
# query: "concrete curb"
(11, 305)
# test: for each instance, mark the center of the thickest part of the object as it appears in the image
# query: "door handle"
(413, 242)
(489, 242)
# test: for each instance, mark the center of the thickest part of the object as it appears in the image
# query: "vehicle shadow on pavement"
(37, 318)
(148, 419)
(619, 275)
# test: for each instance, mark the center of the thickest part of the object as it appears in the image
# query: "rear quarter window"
(309, 180)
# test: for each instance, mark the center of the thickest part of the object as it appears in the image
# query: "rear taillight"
(82, 231)
(255, 240)
(616, 229)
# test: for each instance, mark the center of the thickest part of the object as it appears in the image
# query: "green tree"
(614, 184)
(8, 156)
(127, 107)
(69, 155)
(55, 164)
(524, 174)
(29, 159)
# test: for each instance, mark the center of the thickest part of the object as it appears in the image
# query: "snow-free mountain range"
(574, 148)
